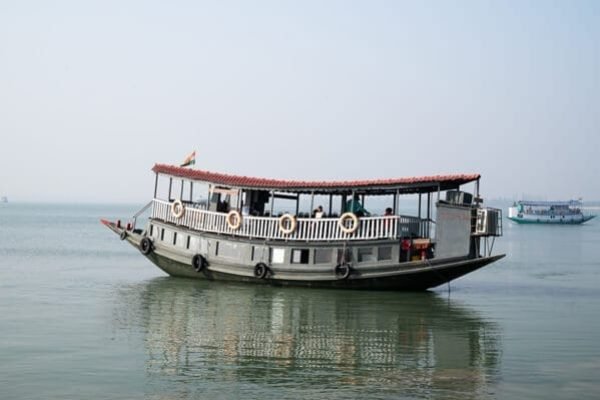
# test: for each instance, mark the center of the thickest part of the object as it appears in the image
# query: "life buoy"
(261, 270)
(177, 209)
(342, 222)
(199, 262)
(234, 220)
(290, 221)
(123, 235)
(342, 271)
(146, 246)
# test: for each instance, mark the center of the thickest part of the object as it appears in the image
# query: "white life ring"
(292, 224)
(234, 220)
(342, 222)
(177, 209)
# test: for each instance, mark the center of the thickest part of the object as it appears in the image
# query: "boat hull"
(551, 221)
(405, 276)
(418, 278)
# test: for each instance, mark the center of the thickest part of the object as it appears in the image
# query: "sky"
(93, 93)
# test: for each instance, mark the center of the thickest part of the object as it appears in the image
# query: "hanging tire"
(146, 246)
(199, 262)
(343, 271)
(123, 235)
(261, 270)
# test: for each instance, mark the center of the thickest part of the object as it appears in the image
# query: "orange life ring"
(238, 220)
(292, 224)
(177, 209)
(342, 222)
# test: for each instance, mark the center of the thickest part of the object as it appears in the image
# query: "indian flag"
(189, 160)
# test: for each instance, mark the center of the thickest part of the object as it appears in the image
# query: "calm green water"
(83, 315)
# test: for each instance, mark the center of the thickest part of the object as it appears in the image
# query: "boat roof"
(422, 184)
(567, 203)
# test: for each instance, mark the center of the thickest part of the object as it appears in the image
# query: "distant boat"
(548, 212)
(3, 199)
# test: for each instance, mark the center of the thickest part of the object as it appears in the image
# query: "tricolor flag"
(189, 160)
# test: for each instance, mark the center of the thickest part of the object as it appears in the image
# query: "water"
(83, 315)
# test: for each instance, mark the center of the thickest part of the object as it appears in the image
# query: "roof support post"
(272, 201)
(170, 186)
(428, 214)
(156, 185)
(297, 203)
(181, 193)
(419, 206)
(312, 202)
(330, 204)
(191, 191)
(438, 192)
(395, 203)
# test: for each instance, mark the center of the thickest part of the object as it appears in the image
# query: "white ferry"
(237, 234)
(548, 212)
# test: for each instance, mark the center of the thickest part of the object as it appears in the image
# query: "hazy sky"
(92, 94)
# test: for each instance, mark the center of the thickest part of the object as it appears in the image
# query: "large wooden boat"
(549, 212)
(244, 230)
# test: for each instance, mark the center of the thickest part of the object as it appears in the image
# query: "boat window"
(174, 238)
(260, 253)
(188, 242)
(229, 250)
(299, 256)
(151, 229)
(277, 256)
(323, 256)
(366, 254)
(385, 253)
(162, 234)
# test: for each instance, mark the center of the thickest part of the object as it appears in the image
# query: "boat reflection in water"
(212, 337)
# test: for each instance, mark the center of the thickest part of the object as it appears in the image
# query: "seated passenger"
(318, 212)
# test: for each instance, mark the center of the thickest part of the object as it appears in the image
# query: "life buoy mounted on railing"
(177, 209)
(342, 222)
(234, 220)
(287, 224)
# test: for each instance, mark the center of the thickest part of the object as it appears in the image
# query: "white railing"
(307, 229)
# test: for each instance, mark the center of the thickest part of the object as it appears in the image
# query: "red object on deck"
(118, 223)
(128, 226)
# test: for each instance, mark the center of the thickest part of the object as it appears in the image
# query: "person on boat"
(318, 212)
(353, 205)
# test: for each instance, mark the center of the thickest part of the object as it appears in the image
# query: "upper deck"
(244, 206)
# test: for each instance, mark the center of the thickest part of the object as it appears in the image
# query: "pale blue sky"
(92, 94)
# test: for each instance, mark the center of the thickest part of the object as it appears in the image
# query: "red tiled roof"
(409, 184)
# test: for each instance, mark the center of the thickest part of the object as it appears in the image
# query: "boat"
(3, 199)
(271, 231)
(548, 212)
